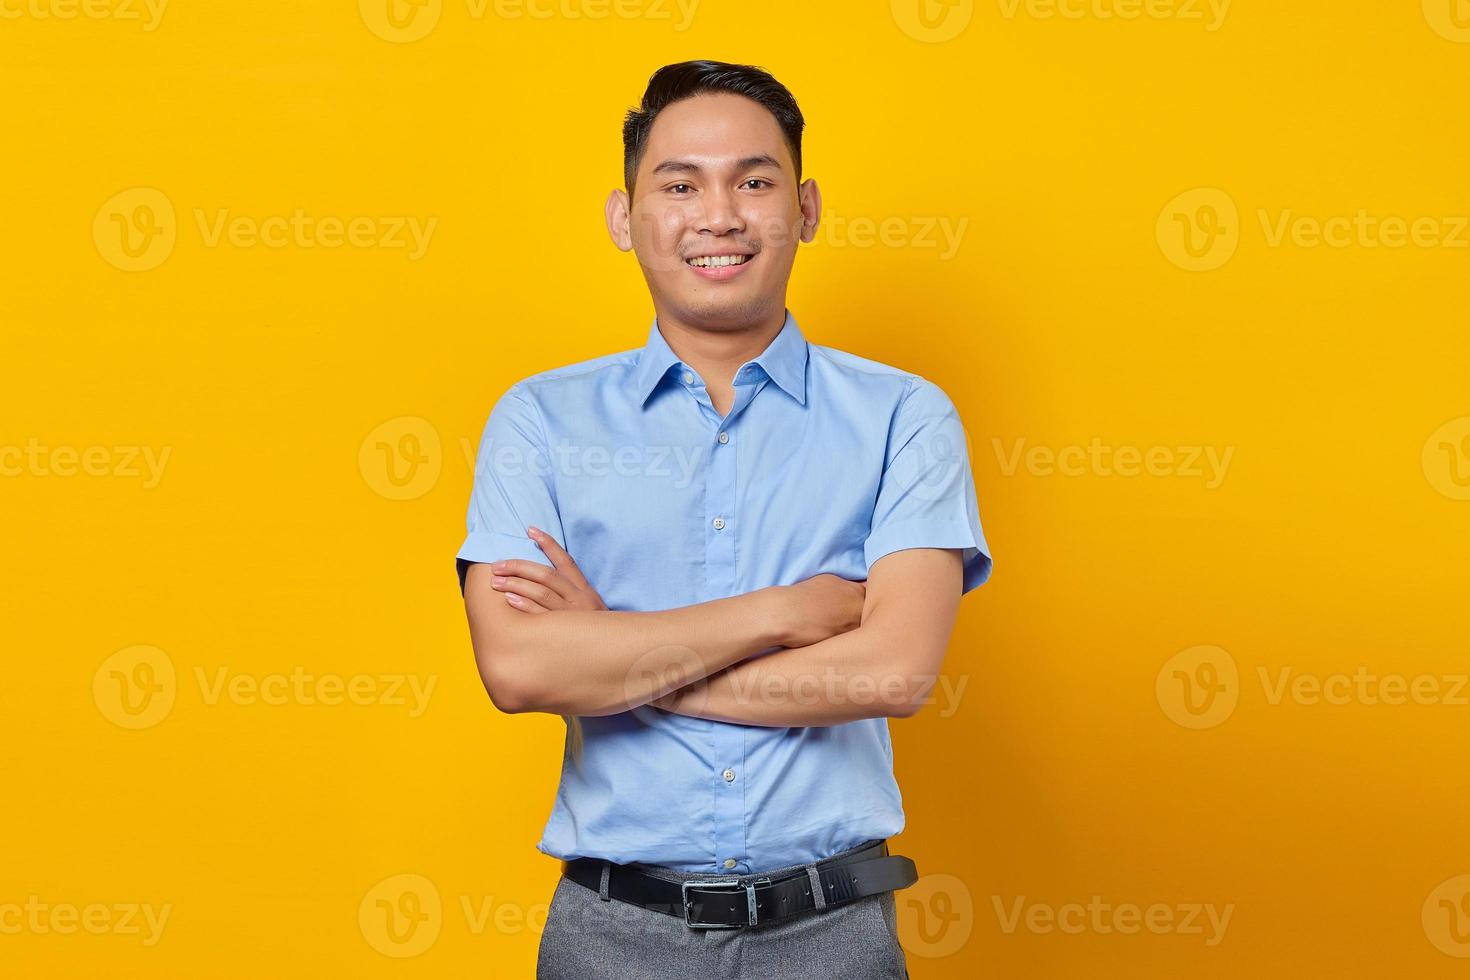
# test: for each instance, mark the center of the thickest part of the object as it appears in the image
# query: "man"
(727, 557)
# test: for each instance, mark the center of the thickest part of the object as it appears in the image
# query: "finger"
(523, 604)
(535, 571)
(559, 557)
(526, 589)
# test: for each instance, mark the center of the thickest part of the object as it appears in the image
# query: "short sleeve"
(926, 498)
(513, 488)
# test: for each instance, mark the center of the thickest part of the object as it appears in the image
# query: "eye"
(674, 187)
(758, 180)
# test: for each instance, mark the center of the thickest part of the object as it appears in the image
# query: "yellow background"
(273, 540)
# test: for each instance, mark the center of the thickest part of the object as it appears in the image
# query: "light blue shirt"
(826, 462)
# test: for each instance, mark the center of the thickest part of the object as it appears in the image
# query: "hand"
(532, 587)
(823, 606)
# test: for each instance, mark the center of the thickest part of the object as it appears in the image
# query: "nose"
(719, 215)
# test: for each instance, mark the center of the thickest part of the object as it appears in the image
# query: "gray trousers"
(587, 937)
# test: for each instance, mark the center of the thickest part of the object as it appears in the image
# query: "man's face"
(716, 212)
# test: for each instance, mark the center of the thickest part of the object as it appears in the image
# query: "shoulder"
(559, 382)
(527, 403)
(906, 390)
(845, 362)
(588, 372)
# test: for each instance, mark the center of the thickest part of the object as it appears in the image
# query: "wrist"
(780, 617)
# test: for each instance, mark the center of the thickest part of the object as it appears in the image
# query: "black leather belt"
(747, 900)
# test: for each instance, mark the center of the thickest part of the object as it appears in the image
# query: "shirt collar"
(784, 359)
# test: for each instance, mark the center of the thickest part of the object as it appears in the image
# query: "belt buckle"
(723, 884)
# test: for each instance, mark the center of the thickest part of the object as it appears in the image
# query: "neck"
(718, 354)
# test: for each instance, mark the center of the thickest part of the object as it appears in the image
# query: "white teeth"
(718, 261)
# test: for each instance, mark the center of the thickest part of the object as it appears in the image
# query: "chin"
(728, 311)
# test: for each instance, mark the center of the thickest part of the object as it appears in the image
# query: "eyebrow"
(688, 166)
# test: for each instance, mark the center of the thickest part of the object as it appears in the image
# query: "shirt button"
(688, 378)
(729, 775)
(719, 523)
(724, 438)
(729, 862)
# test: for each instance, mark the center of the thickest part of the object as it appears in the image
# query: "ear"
(618, 220)
(810, 199)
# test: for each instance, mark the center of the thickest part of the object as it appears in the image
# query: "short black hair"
(673, 83)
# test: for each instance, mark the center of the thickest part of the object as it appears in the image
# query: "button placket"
(727, 742)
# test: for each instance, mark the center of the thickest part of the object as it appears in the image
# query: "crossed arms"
(824, 651)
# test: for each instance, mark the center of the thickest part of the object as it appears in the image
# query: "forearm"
(848, 677)
(597, 663)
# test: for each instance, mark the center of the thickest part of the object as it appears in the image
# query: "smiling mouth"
(717, 261)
